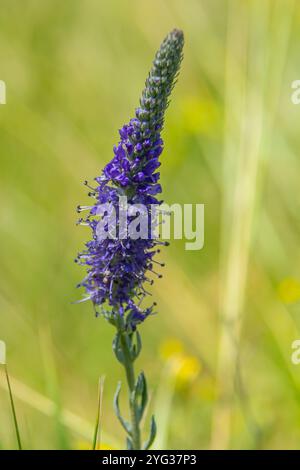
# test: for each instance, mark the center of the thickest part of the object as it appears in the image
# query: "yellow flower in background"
(289, 290)
(182, 367)
(187, 370)
(200, 115)
(84, 445)
(170, 347)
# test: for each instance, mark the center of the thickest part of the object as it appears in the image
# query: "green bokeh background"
(74, 71)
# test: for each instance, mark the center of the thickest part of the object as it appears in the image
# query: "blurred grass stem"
(13, 408)
(97, 433)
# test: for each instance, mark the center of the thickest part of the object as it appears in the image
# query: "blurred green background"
(218, 355)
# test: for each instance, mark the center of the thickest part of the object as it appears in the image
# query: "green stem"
(13, 408)
(129, 369)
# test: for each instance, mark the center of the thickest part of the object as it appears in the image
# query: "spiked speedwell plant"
(117, 269)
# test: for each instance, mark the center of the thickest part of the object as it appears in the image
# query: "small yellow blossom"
(84, 445)
(170, 347)
(186, 370)
(289, 290)
(183, 369)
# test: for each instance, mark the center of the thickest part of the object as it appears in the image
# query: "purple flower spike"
(117, 269)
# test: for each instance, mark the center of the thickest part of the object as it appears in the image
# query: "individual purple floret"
(118, 269)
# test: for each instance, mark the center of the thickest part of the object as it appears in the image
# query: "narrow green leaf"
(151, 438)
(136, 347)
(117, 348)
(140, 395)
(124, 423)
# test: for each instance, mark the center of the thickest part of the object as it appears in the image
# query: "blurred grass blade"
(53, 386)
(97, 433)
(13, 408)
(163, 409)
(242, 159)
(47, 407)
